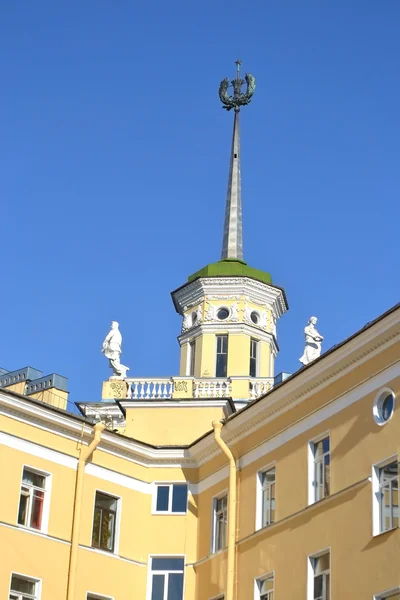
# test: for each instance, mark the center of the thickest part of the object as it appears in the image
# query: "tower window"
(223, 314)
(255, 317)
(222, 356)
(191, 358)
(254, 358)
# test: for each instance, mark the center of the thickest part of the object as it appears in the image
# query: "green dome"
(231, 268)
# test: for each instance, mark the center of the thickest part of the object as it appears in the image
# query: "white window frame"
(311, 466)
(257, 341)
(35, 580)
(191, 356)
(387, 593)
(222, 494)
(258, 580)
(44, 526)
(150, 573)
(170, 485)
(95, 596)
(117, 522)
(218, 597)
(311, 573)
(216, 348)
(376, 505)
(259, 495)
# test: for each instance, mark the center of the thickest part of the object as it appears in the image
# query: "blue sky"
(114, 160)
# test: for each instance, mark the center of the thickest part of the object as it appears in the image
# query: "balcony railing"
(149, 388)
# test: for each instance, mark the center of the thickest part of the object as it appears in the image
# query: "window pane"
(167, 564)
(222, 503)
(104, 501)
(18, 584)
(321, 563)
(318, 585)
(37, 509)
(33, 478)
(179, 498)
(266, 585)
(221, 370)
(175, 586)
(162, 497)
(157, 591)
(23, 509)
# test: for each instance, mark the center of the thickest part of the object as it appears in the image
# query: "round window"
(222, 314)
(255, 317)
(383, 406)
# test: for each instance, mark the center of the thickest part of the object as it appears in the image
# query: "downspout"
(84, 456)
(230, 574)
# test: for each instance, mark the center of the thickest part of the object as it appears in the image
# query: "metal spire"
(232, 245)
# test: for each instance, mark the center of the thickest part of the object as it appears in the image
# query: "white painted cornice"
(231, 328)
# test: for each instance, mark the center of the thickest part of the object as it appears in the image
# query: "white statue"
(313, 342)
(234, 312)
(112, 351)
(199, 315)
(211, 313)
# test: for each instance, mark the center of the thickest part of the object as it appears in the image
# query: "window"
(222, 356)
(171, 498)
(32, 498)
(104, 522)
(386, 500)
(91, 596)
(220, 519)
(191, 358)
(265, 588)
(24, 588)
(319, 469)
(167, 578)
(255, 317)
(267, 497)
(254, 345)
(393, 594)
(222, 313)
(319, 577)
(383, 407)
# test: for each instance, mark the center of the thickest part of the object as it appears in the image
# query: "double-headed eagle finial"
(238, 98)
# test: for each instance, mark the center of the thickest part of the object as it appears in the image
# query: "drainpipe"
(84, 456)
(230, 574)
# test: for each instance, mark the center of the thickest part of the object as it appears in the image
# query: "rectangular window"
(265, 588)
(254, 345)
(24, 588)
(320, 469)
(104, 522)
(386, 497)
(91, 596)
(32, 499)
(319, 577)
(171, 498)
(393, 594)
(167, 578)
(222, 356)
(220, 523)
(191, 358)
(267, 490)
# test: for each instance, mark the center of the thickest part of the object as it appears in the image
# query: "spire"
(232, 245)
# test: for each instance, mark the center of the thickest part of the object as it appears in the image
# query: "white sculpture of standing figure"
(313, 342)
(112, 351)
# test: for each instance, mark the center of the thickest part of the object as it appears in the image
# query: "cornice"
(231, 328)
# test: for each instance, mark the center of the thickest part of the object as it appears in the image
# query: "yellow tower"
(229, 309)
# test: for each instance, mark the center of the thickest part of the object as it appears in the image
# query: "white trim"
(257, 580)
(125, 481)
(36, 580)
(175, 403)
(387, 593)
(112, 555)
(210, 481)
(34, 532)
(150, 572)
(117, 529)
(44, 525)
(310, 571)
(17, 443)
(258, 512)
(376, 405)
(214, 500)
(376, 507)
(311, 464)
(170, 485)
(218, 597)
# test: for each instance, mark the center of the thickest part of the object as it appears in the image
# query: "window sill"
(33, 529)
(375, 535)
(215, 552)
(264, 526)
(103, 551)
(161, 513)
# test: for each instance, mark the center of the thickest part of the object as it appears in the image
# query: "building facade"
(222, 482)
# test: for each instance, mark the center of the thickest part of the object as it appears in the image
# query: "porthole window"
(383, 406)
(223, 314)
(255, 317)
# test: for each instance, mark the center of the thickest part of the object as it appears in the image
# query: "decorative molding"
(33, 449)
(125, 481)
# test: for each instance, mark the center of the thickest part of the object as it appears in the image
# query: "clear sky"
(114, 157)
